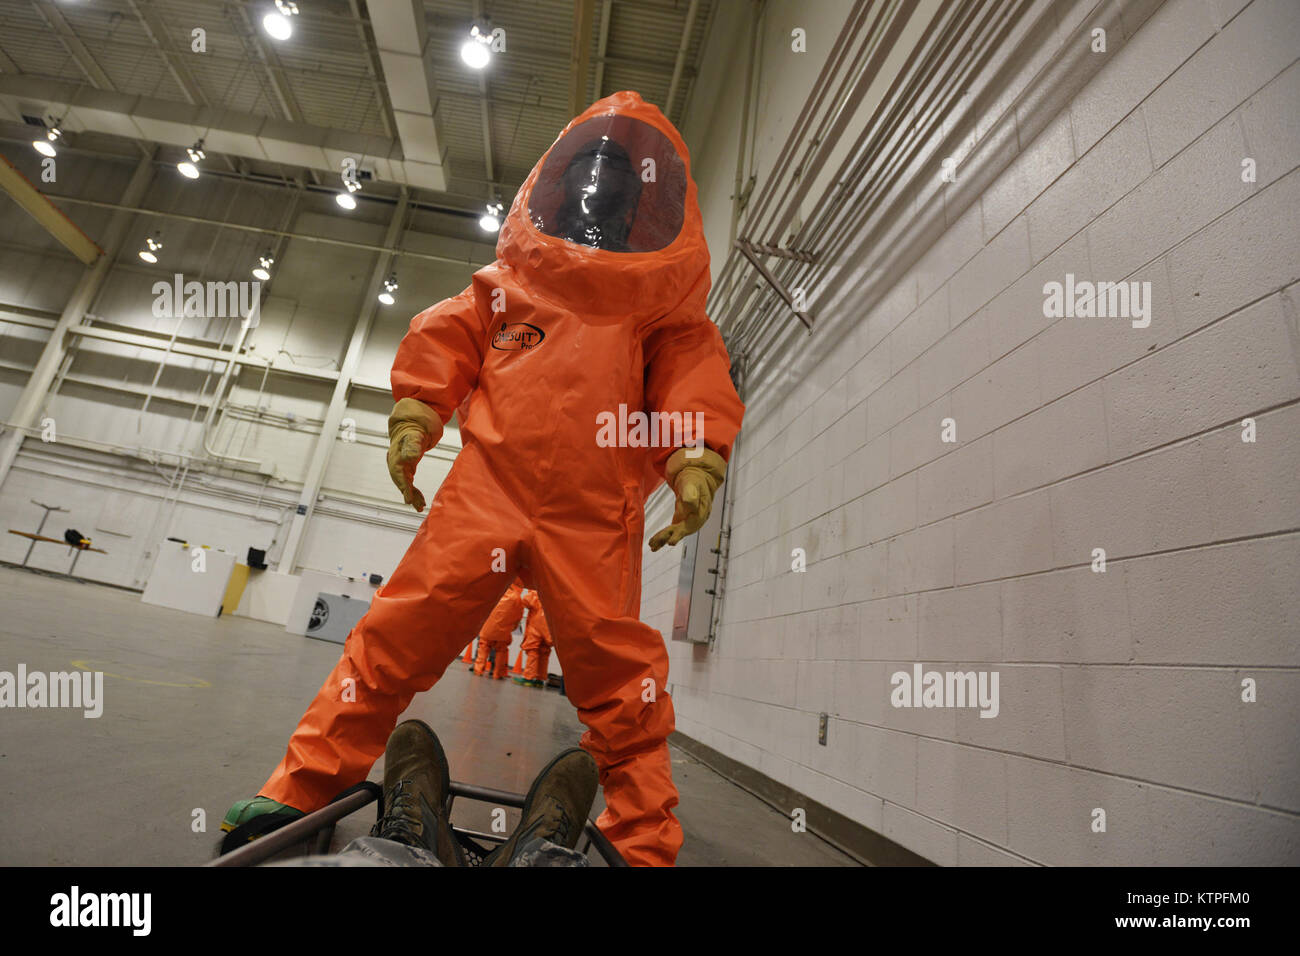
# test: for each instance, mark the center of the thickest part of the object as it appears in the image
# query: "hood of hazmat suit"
(594, 306)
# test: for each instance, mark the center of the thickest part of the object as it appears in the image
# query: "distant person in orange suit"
(496, 632)
(537, 643)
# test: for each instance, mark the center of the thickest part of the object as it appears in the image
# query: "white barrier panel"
(189, 578)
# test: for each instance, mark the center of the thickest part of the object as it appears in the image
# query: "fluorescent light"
(278, 26)
(188, 169)
(345, 200)
(44, 147)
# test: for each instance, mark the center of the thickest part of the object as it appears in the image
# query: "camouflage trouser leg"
(375, 851)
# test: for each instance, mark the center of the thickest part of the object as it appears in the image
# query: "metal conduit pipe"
(853, 88)
(872, 41)
(733, 266)
(232, 494)
(843, 40)
(819, 150)
(839, 206)
(950, 85)
(213, 453)
(835, 207)
(927, 115)
(903, 238)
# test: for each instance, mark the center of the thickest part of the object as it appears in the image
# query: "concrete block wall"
(1120, 691)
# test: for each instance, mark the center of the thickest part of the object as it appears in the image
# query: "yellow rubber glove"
(413, 428)
(694, 481)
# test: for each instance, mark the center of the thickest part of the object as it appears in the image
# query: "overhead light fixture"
(263, 269)
(46, 146)
(189, 168)
(390, 286)
(345, 199)
(490, 221)
(151, 246)
(278, 24)
(477, 50)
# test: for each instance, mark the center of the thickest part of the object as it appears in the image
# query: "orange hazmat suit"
(495, 633)
(537, 639)
(592, 312)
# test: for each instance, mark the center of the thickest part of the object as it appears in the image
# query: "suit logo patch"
(517, 337)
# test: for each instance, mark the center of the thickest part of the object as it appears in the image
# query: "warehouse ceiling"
(382, 83)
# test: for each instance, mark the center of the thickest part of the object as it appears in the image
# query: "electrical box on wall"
(697, 582)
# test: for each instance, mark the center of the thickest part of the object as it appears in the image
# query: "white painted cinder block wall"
(1121, 690)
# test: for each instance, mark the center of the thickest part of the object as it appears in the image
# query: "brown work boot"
(556, 806)
(416, 785)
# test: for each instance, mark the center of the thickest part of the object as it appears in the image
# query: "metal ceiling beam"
(36, 391)
(153, 120)
(52, 219)
(606, 15)
(274, 71)
(160, 342)
(402, 38)
(7, 65)
(580, 55)
(682, 47)
(72, 43)
(370, 247)
(157, 32)
(375, 71)
(485, 115)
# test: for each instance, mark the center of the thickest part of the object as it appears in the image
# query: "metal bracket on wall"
(752, 251)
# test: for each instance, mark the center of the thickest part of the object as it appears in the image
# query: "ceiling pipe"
(682, 46)
(369, 247)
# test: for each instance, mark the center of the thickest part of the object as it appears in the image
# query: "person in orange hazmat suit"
(536, 644)
(589, 323)
(495, 634)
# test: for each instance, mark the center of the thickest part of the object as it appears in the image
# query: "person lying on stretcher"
(415, 830)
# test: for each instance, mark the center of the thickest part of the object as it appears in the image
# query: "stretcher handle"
(265, 847)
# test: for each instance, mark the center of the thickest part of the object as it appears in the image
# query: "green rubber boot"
(245, 810)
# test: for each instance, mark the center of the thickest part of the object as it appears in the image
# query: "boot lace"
(399, 822)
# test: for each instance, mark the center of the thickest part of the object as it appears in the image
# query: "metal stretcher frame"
(320, 824)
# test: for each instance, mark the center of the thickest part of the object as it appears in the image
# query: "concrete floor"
(197, 712)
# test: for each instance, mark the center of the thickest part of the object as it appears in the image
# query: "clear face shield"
(613, 183)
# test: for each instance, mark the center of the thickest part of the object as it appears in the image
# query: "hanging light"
(278, 24)
(345, 199)
(263, 269)
(490, 221)
(390, 286)
(477, 50)
(151, 246)
(46, 146)
(190, 168)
